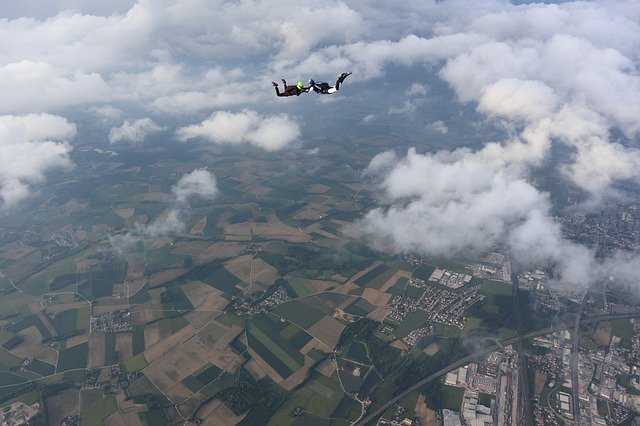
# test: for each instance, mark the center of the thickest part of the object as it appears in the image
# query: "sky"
(548, 75)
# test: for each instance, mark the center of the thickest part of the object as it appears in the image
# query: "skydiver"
(290, 90)
(324, 88)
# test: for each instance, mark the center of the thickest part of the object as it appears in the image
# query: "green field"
(40, 367)
(496, 287)
(173, 298)
(452, 397)
(137, 343)
(28, 322)
(73, 357)
(423, 271)
(95, 413)
(371, 275)
(135, 363)
(302, 312)
(9, 360)
(360, 307)
(223, 280)
(71, 321)
(110, 349)
(412, 321)
(279, 352)
(358, 352)
(7, 379)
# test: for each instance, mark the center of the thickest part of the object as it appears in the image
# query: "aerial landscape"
(251, 212)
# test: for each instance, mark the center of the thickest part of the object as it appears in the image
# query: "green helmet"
(300, 85)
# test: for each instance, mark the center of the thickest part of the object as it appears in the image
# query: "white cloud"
(439, 127)
(30, 146)
(450, 203)
(200, 183)
(134, 131)
(222, 127)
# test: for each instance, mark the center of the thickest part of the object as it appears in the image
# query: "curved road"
(482, 352)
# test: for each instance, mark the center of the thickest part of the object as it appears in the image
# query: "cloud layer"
(133, 131)
(268, 132)
(30, 146)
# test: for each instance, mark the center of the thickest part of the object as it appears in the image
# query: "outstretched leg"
(275, 86)
(341, 78)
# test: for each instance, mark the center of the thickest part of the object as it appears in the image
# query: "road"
(574, 362)
(467, 359)
(522, 407)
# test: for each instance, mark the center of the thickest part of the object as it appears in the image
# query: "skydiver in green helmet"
(290, 90)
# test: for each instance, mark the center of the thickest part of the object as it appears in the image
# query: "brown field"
(378, 314)
(321, 389)
(318, 286)
(210, 345)
(178, 392)
(127, 406)
(103, 309)
(257, 188)
(203, 297)
(275, 230)
(431, 350)
(298, 377)
(135, 269)
(155, 196)
(237, 231)
(602, 335)
(143, 218)
(160, 242)
(165, 276)
(43, 318)
(394, 278)
(317, 188)
(216, 413)
(326, 368)
(376, 297)
(82, 235)
(121, 419)
(123, 346)
(198, 228)
(140, 316)
(327, 330)
(59, 307)
(364, 271)
(220, 250)
(96, 350)
(61, 405)
(314, 344)
(125, 213)
(310, 214)
(101, 228)
(73, 206)
(398, 345)
(240, 267)
(426, 415)
(15, 251)
(31, 345)
(152, 334)
(199, 319)
(540, 380)
(77, 340)
(256, 270)
(254, 369)
(327, 234)
(264, 366)
(356, 186)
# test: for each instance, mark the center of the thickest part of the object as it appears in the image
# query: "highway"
(485, 351)
(575, 384)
